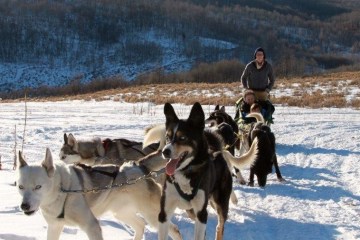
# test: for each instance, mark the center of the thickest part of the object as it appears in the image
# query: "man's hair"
(259, 49)
(248, 92)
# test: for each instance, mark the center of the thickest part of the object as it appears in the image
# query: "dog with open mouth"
(195, 176)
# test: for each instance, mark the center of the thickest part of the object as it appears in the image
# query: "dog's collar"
(193, 168)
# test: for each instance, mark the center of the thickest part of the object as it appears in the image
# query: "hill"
(51, 43)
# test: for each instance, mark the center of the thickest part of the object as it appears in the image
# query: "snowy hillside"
(54, 42)
(318, 153)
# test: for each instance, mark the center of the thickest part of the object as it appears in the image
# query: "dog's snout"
(25, 206)
(166, 153)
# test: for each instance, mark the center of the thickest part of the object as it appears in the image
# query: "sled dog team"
(92, 177)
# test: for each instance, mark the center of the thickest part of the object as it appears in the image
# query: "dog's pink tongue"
(171, 166)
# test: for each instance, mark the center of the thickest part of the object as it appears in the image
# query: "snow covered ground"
(318, 152)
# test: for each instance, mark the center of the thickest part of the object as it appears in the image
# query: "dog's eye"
(21, 187)
(37, 187)
(182, 138)
(168, 138)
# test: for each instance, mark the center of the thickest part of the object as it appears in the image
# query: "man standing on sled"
(259, 77)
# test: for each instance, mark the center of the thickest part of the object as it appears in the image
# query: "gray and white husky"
(64, 195)
(109, 151)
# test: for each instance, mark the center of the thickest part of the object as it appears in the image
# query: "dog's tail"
(246, 159)
(155, 134)
(258, 116)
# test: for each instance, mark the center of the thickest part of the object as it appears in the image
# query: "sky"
(318, 152)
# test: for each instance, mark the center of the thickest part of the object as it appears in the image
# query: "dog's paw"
(242, 182)
(251, 184)
(281, 179)
(233, 198)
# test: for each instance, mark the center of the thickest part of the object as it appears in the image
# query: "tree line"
(92, 32)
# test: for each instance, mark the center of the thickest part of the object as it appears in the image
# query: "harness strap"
(132, 145)
(91, 169)
(188, 197)
(62, 213)
(193, 168)
(190, 169)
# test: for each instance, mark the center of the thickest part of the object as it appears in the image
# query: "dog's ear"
(197, 116)
(65, 138)
(72, 142)
(222, 109)
(170, 114)
(217, 107)
(22, 162)
(48, 163)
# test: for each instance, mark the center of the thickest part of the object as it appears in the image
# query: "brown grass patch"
(315, 99)
(331, 94)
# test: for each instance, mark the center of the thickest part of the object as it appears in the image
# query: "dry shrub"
(330, 94)
(318, 99)
(315, 99)
(286, 101)
(354, 82)
(131, 98)
(355, 103)
(335, 101)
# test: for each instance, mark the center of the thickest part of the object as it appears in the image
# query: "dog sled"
(265, 108)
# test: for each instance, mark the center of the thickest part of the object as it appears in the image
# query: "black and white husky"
(265, 156)
(194, 175)
(266, 145)
(221, 120)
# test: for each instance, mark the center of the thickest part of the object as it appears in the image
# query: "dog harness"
(90, 169)
(128, 144)
(188, 170)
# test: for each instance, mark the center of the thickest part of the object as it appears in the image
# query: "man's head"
(259, 55)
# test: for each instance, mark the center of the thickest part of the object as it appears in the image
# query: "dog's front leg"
(240, 177)
(54, 231)
(164, 225)
(163, 230)
(77, 211)
(251, 179)
(167, 208)
(93, 230)
(200, 229)
(199, 204)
